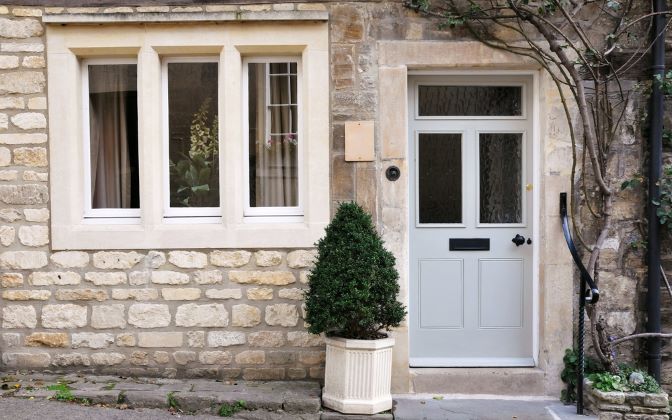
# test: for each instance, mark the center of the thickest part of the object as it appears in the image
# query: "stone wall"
(228, 313)
(666, 261)
(187, 313)
(621, 270)
(214, 313)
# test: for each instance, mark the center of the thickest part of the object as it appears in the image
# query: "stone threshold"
(477, 381)
(272, 400)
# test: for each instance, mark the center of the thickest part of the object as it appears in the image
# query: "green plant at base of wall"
(64, 393)
(607, 381)
(228, 410)
(172, 402)
(568, 374)
(121, 398)
(354, 285)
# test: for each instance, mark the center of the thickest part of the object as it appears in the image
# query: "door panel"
(470, 164)
(501, 293)
(441, 290)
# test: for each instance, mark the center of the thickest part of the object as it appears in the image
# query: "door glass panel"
(440, 178)
(470, 101)
(500, 177)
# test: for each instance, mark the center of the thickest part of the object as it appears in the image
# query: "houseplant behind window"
(352, 298)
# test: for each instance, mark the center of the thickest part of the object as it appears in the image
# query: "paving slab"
(335, 415)
(105, 379)
(455, 408)
(281, 400)
(25, 409)
(33, 393)
(97, 396)
(267, 415)
(131, 386)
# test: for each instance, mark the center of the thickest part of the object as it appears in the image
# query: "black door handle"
(518, 239)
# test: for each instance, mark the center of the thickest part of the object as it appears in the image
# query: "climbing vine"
(664, 210)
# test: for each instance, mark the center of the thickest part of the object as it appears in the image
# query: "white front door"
(470, 221)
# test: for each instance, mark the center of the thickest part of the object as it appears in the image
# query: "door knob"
(518, 239)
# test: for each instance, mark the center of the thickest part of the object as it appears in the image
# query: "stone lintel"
(96, 18)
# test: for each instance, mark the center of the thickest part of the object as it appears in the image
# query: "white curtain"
(111, 184)
(276, 183)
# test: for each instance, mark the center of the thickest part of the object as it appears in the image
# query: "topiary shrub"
(354, 285)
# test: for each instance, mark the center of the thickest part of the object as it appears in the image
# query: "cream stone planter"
(358, 375)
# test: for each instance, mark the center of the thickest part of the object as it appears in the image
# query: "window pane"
(113, 130)
(469, 101)
(292, 88)
(440, 178)
(193, 135)
(278, 68)
(500, 167)
(280, 92)
(273, 137)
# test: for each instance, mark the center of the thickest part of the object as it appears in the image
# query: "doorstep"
(488, 381)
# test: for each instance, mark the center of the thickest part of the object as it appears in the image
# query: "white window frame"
(212, 213)
(232, 43)
(102, 215)
(272, 214)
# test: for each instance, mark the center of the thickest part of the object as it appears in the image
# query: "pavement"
(481, 407)
(114, 398)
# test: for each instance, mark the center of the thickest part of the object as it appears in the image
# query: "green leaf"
(355, 276)
(199, 188)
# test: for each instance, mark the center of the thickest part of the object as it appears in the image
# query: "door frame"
(534, 218)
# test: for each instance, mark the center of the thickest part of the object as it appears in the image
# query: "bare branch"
(637, 336)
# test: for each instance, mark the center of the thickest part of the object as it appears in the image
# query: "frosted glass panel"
(440, 178)
(500, 176)
(474, 101)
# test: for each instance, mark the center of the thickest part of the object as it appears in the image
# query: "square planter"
(616, 405)
(358, 375)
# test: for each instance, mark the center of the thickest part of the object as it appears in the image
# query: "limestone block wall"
(237, 313)
(215, 313)
(225, 314)
(210, 313)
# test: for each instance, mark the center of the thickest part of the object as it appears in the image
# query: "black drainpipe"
(655, 156)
